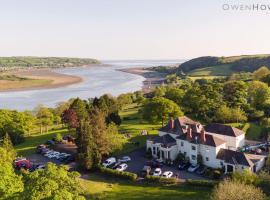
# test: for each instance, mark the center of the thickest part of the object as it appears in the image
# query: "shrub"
(246, 177)
(159, 179)
(120, 174)
(216, 174)
(58, 137)
(228, 190)
(204, 183)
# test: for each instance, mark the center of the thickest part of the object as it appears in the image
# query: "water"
(97, 80)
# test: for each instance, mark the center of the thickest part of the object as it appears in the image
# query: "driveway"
(138, 161)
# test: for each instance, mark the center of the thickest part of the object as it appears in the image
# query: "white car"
(167, 174)
(157, 172)
(122, 167)
(125, 159)
(109, 162)
(193, 168)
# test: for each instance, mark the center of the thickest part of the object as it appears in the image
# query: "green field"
(28, 147)
(133, 125)
(221, 70)
(98, 187)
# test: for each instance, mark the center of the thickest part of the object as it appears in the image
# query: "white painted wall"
(232, 143)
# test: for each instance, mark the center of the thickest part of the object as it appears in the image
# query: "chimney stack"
(202, 136)
(171, 123)
(189, 133)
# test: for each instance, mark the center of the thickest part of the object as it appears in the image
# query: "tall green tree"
(258, 94)
(44, 117)
(92, 140)
(160, 109)
(55, 182)
(235, 93)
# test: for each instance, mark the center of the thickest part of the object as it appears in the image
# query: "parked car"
(115, 165)
(69, 159)
(167, 174)
(193, 168)
(201, 170)
(125, 159)
(145, 171)
(122, 167)
(109, 162)
(184, 165)
(157, 172)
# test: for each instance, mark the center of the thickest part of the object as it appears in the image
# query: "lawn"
(133, 125)
(29, 145)
(98, 187)
(220, 70)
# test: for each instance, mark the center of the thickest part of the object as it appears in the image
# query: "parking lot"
(138, 161)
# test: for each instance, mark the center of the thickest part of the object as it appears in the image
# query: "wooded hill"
(246, 63)
(8, 62)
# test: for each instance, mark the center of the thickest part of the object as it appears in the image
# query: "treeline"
(222, 100)
(17, 62)
(237, 63)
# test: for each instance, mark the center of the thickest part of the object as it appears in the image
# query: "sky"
(132, 29)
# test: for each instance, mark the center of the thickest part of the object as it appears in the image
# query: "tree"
(159, 109)
(223, 114)
(92, 141)
(260, 73)
(45, 118)
(172, 79)
(116, 140)
(106, 104)
(113, 118)
(8, 146)
(16, 124)
(124, 99)
(239, 115)
(70, 118)
(10, 183)
(258, 94)
(55, 182)
(159, 91)
(235, 93)
(175, 94)
(228, 190)
(80, 107)
(267, 163)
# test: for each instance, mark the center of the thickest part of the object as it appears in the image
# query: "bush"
(229, 190)
(216, 174)
(204, 183)
(58, 137)
(120, 174)
(159, 179)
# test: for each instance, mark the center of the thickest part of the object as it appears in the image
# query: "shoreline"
(50, 78)
(153, 78)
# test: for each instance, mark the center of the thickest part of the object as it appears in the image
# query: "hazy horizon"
(133, 30)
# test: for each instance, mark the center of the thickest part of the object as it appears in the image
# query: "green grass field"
(222, 70)
(133, 125)
(99, 187)
(28, 147)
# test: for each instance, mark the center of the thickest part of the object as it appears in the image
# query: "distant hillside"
(223, 66)
(9, 62)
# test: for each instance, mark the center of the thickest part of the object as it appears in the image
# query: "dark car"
(50, 142)
(184, 165)
(69, 159)
(201, 170)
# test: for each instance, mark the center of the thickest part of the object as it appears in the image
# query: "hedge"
(204, 183)
(120, 174)
(160, 179)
